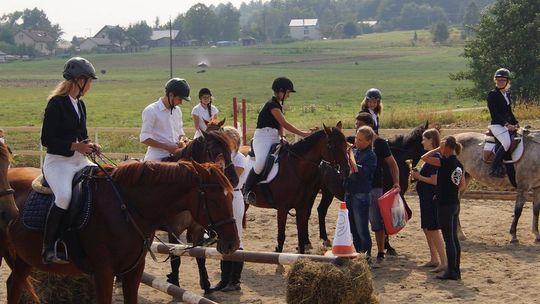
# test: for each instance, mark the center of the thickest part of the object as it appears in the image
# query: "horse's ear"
(339, 126)
(202, 171)
(427, 125)
(221, 123)
(327, 130)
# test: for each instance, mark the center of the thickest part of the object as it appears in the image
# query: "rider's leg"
(502, 134)
(52, 231)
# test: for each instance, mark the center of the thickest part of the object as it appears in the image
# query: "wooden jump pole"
(244, 123)
(235, 112)
(239, 255)
(173, 290)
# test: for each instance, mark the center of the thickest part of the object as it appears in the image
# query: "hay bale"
(59, 289)
(314, 282)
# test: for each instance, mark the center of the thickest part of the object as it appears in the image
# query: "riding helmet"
(204, 91)
(502, 73)
(178, 87)
(373, 93)
(282, 84)
(78, 67)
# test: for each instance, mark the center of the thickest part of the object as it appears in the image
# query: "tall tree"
(229, 22)
(201, 23)
(471, 18)
(507, 36)
(440, 32)
(139, 33)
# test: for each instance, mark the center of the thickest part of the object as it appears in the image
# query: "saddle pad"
(37, 205)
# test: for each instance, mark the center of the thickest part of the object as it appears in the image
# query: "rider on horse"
(270, 125)
(65, 135)
(502, 119)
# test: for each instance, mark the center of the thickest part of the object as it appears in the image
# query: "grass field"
(330, 78)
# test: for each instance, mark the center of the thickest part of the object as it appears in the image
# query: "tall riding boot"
(236, 274)
(226, 268)
(51, 234)
(251, 180)
(497, 168)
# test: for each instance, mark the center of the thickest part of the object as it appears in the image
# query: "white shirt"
(240, 161)
(75, 102)
(505, 95)
(202, 113)
(159, 125)
(374, 116)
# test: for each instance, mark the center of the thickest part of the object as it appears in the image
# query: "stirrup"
(250, 198)
(48, 259)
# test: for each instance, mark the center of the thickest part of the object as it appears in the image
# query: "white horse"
(527, 173)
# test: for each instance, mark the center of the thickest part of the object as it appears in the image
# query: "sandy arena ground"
(493, 270)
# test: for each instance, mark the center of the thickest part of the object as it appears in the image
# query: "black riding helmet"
(282, 84)
(373, 93)
(502, 73)
(78, 67)
(178, 87)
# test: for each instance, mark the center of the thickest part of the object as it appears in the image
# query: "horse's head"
(215, 199)
(8, 208)
(214, 125)
(218, 146)
(409, 146)
(335, 150)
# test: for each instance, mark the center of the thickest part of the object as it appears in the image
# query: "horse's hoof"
(462, 237)
(537, 240)
(391, 251)
(308, 246)
(280, 269)
(327, 243)
(514, 241)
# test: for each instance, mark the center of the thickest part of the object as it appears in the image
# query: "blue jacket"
(360, 182)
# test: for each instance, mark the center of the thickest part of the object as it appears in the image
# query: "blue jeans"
(358, 206)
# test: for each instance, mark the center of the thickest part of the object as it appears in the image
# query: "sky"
(86, 18)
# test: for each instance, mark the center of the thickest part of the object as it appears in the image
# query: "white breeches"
(59, 172)
(238, 213)
(502, 134)
(263, 139)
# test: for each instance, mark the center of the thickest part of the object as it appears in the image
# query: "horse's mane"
(182, 173)
(406, 140)
(222, 138)
(195, 149)
(304, 145)
(4, 153)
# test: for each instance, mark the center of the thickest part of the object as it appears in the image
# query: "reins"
(7, 191)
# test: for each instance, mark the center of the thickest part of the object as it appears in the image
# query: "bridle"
(7, 191)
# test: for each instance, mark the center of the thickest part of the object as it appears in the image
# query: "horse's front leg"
(518, 208)
(103, 281)
(18, 281)
(204, 281)
(131, 282)
(536, 211)
(281, 221)
(302, 218)
(322, 210)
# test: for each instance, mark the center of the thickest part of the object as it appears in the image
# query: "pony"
(526, 168)
(210, 147)
(298, 178)
(403, 148)
(8, 208)
(116, 238)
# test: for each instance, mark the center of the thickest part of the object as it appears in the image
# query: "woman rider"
(502, 119)
(65, 135)
(270, 125)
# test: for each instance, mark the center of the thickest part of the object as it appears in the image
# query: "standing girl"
(372, 104)
(65, 135)
(426, 189)
(204, 111)
(449, 182)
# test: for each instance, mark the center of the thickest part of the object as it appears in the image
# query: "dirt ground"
(493, 270)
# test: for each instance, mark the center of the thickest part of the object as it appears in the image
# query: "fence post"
(244, 126)
(235, 112)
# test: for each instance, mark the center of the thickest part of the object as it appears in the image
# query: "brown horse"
(152, 192)
(8, 209)
(298, 178)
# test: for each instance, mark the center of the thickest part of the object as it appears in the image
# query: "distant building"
(161, 38)
(104, 34)
(3, 57)
(39, 40)
(248, 40)
(368, 23)
(100, 45)
(305, 29)
(226, 43)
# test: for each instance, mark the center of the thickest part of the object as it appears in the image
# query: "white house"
(39, 40)
(305, 29)
(3, 57)
(161, 38)
(104, 36)
(98, 44)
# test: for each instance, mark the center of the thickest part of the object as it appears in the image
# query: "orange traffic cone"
(343, 244)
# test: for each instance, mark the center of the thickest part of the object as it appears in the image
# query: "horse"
(526, 168)
(298, 179)
(210, 147)
(8, 208)
(117, 235)
(403, 148)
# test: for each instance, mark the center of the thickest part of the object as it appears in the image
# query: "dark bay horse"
(297, 179)
(403, 148)
(8, 209)
(210, 147)
(152, 192)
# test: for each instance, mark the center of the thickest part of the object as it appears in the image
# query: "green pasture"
(330, 77)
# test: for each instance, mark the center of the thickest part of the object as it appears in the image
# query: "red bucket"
(393, 211)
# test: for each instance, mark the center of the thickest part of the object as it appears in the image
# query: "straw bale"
(59, 289)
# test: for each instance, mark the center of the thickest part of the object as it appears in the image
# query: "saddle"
(34, 213)
(272, 160)
(491, 144)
